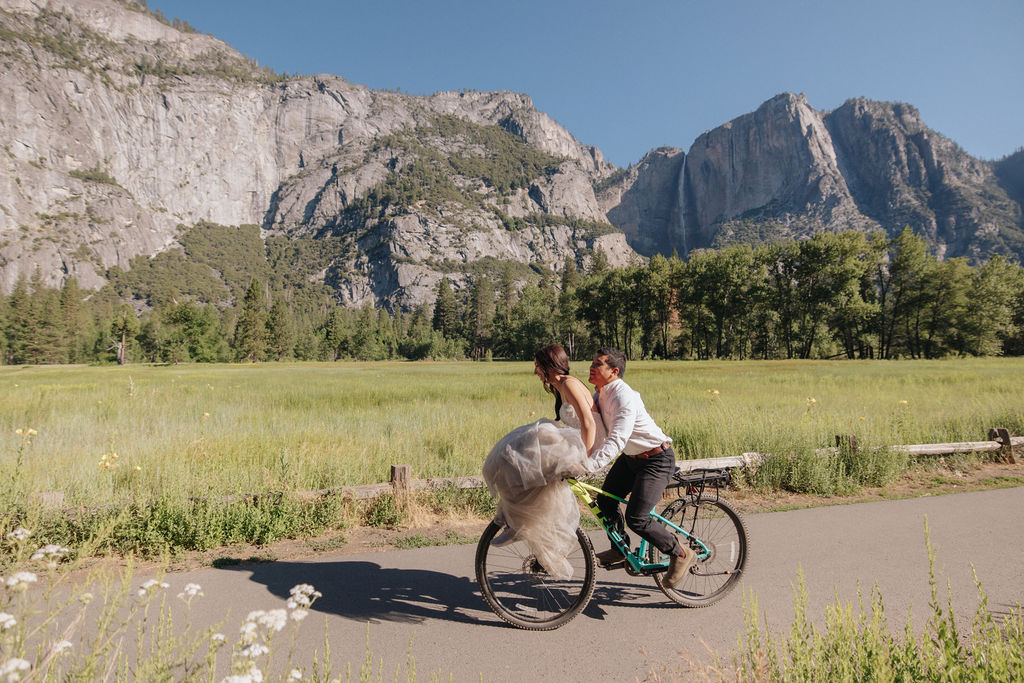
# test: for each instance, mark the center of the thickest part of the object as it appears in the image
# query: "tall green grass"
(858, 644)
(210, 430)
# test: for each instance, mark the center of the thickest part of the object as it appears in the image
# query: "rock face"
(902, 173)
(777, 163)
(787, 170)
(644, 202)
(130, 128)
(118, 130)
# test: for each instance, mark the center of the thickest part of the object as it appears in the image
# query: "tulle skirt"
(525, 470)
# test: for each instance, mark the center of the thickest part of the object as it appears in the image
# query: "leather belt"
(654, 451)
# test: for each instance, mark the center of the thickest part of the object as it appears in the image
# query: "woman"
(526, 468)
(574, 405)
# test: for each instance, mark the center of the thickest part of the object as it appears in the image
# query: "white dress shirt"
(630, 429)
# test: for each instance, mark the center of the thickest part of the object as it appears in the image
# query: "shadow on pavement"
(610, 594)
(365, 591)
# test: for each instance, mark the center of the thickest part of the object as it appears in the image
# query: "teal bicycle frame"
(637, 559)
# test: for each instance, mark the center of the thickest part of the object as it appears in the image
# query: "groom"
(643, 469)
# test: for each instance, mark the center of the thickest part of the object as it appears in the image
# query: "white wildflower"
(51, 553)
(19, 534)
(302, 595)
(218, 638)
(19, 581)
(254, 650)
(61, 646)
(13, 668)
(85, 598)
(295, 675)
(299, 614)
(249, 631)
(190, 591)
(148, 587)
(7, 621)
(255, 615)
(254, 676)
(274, 620)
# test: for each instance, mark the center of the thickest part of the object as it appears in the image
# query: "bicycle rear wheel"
(721, 529)
(521, 592)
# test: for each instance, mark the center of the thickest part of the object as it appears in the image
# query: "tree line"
(833, 295)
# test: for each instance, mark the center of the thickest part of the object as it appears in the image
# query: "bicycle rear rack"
(695, 482)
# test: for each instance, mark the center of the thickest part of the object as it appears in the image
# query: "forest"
(834, 295)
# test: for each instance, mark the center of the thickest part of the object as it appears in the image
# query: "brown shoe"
(679, 566)
(609, 557)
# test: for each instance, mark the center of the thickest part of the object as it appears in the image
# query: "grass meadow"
(129, 446)
(136, 433)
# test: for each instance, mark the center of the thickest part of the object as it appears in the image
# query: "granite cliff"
(787, 170)
(119, 130)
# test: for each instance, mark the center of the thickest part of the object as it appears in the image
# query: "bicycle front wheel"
(520, 590)
(720, 563)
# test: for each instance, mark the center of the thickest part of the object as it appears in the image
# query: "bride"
(526, 468)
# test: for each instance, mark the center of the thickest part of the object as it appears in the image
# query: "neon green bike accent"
(635, 558)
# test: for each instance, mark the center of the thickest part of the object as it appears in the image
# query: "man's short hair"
(616, 358)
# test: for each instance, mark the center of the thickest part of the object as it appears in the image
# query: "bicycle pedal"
(616, 564)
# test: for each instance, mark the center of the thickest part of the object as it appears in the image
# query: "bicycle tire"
(721, 528)
(518, 589)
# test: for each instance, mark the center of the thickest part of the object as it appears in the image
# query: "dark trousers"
(644, 479)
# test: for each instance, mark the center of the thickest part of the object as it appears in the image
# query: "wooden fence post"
(401, 479)
(1006, 446)
(848, 441)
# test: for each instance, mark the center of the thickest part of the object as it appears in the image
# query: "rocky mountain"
(119, 130)
(787, 170)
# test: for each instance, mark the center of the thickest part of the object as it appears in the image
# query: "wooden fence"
(402, 483)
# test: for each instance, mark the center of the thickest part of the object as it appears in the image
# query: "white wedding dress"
(525, 470)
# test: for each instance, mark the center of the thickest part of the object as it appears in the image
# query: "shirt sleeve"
(620, 418)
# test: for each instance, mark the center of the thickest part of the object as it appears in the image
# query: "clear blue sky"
(631, 76)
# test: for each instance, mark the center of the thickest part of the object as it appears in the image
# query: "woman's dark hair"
(552, 359)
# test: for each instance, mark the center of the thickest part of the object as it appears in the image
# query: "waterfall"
(681, 204)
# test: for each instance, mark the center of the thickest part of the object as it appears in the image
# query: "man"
(643, 469)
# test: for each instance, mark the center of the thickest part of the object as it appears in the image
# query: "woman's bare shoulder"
(577, 388)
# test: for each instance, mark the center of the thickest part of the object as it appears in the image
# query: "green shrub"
(383, 512)
(173, 525)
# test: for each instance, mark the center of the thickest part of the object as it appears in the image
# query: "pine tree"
(569, 324)
(3, 329)
(19, 319)
(46, 344)
(446, 312)
(250, 342)
(599, 264)
(481, 316)
(71, 313)
(123, 329)
(281, 330)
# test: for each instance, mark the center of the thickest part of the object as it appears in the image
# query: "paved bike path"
(425, 602)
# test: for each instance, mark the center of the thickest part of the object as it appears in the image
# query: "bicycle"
(519, 590)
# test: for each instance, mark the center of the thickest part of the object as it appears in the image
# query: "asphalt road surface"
(425, 603)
